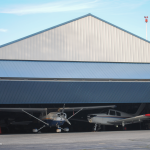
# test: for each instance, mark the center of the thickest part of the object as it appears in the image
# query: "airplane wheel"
(35, 130)
(66, 129)
(96, 127)
(58, 130)
(93, 129)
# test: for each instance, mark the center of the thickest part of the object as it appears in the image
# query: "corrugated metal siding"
(85, 39)
(84, 70)
(40, 92)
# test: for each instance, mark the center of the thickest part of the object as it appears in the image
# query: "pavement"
(108, 140)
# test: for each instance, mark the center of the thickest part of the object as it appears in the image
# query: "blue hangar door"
(51, 82)
(60, 92)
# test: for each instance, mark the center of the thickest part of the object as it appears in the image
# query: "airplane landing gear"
(97, 127)
(37, 130)
(66, 129)
(123, 126)
(58, 130)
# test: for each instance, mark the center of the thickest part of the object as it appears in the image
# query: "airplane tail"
(139, 109)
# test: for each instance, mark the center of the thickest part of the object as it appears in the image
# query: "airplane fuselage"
(54, 119)
(105, 118)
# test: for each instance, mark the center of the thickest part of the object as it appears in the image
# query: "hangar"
(85, 60)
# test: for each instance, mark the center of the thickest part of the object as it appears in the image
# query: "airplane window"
(112, 112)
(118, 113)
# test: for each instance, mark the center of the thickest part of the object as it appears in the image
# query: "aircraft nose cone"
(90, 120)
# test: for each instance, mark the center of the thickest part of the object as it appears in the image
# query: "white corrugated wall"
(86, 39)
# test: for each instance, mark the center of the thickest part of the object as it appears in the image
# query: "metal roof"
(73, 70)
(50, 92)
(69, 22)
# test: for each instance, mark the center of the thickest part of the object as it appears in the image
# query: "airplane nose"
(90, 120)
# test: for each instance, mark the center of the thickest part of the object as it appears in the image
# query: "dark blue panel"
(42, 92)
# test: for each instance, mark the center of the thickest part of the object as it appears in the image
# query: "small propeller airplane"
(115, 117)
(56, 119)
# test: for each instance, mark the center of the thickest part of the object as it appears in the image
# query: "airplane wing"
(26, 109)
(60, 109)
(131, 120)
(85, 108)
(21, 123)
(81, 120)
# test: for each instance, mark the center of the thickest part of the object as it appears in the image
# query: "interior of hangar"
(83, 62)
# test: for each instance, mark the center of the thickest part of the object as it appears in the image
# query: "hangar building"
(85, 60)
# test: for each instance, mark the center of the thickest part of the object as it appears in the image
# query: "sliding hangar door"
(85, 60)
(32, 82)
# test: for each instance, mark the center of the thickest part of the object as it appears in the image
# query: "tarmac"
(108, 140)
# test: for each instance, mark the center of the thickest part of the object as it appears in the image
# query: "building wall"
(85, 39)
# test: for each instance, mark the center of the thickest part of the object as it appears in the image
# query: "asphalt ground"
(121, 140)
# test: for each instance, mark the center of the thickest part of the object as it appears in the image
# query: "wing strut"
(35, 117)
(75, 113)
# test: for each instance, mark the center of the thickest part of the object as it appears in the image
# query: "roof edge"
(74, 79)
(120, 28)
(44, 30)
(89, 14)
(65, 61)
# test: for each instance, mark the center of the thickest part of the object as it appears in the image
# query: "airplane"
(49, 118)
(113, 117)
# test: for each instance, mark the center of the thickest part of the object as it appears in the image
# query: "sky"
(20, 18)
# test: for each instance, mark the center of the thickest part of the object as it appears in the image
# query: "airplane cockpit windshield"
(112, 112)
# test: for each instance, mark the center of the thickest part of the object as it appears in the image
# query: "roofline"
(121, 28)
(24, 79)
(69, 22)
(44, 30)
(65, 61)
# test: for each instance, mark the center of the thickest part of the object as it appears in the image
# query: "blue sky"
(20, 18)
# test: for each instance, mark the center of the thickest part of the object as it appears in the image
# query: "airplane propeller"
(63, 109)
(62, 115)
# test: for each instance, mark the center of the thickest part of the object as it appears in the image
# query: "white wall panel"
(85, 39)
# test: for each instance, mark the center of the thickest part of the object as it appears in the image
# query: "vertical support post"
(146, 30)
(146, 20)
